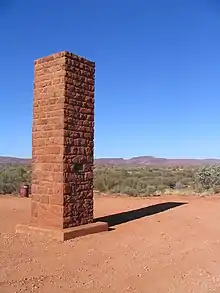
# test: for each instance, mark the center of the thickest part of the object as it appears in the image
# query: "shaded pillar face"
(63, 141)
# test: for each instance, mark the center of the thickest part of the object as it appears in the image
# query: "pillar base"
(65, 234)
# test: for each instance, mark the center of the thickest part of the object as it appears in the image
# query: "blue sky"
(157, 72)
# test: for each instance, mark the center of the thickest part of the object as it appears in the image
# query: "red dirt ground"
(177, 250)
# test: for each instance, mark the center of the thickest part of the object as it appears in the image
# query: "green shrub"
(141, 181)
(12, 176)
(207, 177)
(133, 181)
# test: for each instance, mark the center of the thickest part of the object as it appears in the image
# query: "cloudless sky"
(157, 72)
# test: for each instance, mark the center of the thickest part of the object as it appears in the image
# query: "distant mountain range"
(13, 160)
(135, 161)
(153, 161)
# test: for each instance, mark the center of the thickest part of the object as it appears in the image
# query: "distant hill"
(135, 161)
(12, 160)
(152, 161)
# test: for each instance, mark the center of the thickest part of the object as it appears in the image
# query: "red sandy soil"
(177, 250)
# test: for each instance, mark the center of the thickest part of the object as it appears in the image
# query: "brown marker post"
(62, 148)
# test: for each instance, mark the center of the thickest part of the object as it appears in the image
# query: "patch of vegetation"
(142, 181)
(12, 176)
(133, 181)
(208, 178)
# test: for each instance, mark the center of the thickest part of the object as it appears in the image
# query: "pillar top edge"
(60, 55)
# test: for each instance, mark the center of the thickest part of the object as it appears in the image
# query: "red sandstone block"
(45, 59)
(55, 100)
(43, 83)
(57, 177)
(64, 234)
(58, 134)
(66, 189)
(58, 80)
(41, 76)
(38, 151)
(69, 209)
(50, 216)
(57, 167)
(54, 150)
(48, 158)
(44, 199)
(58, 188)
(86, 111)
(50, 58)
(83, 186)
(57, 198)
(43, 176)
(46, 167)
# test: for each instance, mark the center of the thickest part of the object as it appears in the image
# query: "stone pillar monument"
(62, 148)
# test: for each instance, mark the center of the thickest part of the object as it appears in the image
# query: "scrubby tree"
(12, 176)
(208, 177)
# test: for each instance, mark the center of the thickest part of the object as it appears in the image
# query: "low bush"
(208, 177)
(133, 181)
(12, 176)
(141, 181)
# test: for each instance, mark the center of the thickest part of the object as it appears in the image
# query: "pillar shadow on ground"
(124, 217)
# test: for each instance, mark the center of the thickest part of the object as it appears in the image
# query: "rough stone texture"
(63, 141)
